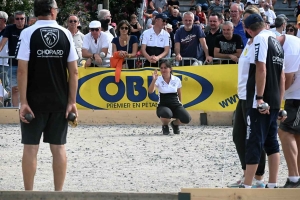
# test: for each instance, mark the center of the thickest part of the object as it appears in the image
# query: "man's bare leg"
(29, 163)
(59, 165)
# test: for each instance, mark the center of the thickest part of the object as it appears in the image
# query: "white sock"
(248, 186)
(272, 185)
(294, 178)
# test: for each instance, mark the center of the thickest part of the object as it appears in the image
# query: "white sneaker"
(237, 183)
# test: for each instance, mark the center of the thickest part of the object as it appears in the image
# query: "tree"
(11, 6)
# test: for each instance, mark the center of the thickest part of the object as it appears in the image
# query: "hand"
(234, 58)
(98, 59)
(71, 108)
(123, 54)
(281, 118)
(154, 75)
(208, 59)
(154, 59)
(87, 63)
(178, 57)
(25, 109)
(263, 111)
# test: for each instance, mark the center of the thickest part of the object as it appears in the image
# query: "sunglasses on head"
(94, 29)
(73, 21)
(21, 18)
(290, 30)
(124, 28)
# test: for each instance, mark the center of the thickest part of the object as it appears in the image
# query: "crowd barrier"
(139, 62)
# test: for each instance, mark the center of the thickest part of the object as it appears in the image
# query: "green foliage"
(11, 6)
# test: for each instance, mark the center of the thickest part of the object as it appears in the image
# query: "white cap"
(261, 10)
(95, 24)
(169, 26)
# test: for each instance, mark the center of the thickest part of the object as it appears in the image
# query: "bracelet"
(129, 55)
(258, 97)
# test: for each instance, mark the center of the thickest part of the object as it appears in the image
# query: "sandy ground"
(126, 158)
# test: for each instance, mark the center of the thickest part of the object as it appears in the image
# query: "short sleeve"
(200, 32)
(85, 44)
(177, 35)
(72, 54)
(144, 38)
(133, 39)
(7, 32)
(260, 49)
(167, 40)
(217, 42)
(24, 47)
(179, 84)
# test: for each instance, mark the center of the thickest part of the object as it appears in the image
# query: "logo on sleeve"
(50, 36)
(256, 51)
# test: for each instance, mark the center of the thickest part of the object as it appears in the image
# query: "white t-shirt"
(78, 40)
(163, 87)
(243, 70)
(298, 33)
(4, 53)
(271, 16)
(291, 49)
(103, 41)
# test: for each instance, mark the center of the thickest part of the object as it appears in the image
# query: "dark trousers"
(239, 138)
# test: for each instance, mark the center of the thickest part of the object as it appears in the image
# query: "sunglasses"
(94, 29)
(21, 18)
(124, 28)
(73, 21)
(290, 30)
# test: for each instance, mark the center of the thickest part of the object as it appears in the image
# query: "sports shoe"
(165, 129)
(291, 184)
(241, 186)
(258, 184)
(237, 183)
(175, 128)
(270, 188)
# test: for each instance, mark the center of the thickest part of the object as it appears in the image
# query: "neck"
(49, 17)
(124, 36)
(213, 30)
(279, 30)
(73, 30)
(156, 29)
(235, 21)
(2, 27)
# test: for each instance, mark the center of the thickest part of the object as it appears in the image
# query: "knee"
(58, 150)
(30, 150)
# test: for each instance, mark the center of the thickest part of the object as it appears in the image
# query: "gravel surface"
(126, 158)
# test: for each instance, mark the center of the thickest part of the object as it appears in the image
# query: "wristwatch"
(258, 97)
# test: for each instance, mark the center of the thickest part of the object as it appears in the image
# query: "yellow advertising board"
(207, 88)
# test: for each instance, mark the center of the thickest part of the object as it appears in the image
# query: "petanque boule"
(28, 117)
(282, 113)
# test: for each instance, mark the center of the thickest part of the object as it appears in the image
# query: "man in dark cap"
(265, 85)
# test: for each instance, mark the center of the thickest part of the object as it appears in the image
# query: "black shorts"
(292, 123)
(53, 125)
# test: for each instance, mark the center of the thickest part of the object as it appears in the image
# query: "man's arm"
(260, 78)
(73, 81)
(289, 79)
(163, 54)
(22, 75)
(86, 53)
(145, 54)
(3, 42)
(217, 54)
(282, 85)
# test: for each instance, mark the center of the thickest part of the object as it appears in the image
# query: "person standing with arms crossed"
(47, 81)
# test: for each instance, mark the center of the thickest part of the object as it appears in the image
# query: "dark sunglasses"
(124, 28)
(164, 20)
(21, 18)
(73, 21)
(94, 29)
(290, 30)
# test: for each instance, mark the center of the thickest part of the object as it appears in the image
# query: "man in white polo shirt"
(156, 41)
(289, 130)
(94, 43)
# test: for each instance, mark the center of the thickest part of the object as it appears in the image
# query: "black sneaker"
(270, 188)
(291, 184)
(165, 129)
(175, 128)
(241, 186)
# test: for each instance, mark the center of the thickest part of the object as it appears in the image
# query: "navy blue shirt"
(189, 42)
(133, 39)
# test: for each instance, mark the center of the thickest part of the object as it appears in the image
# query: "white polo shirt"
(155, 43)
(92, 47)
(78, 40)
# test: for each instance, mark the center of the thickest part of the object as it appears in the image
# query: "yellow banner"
(207, 88)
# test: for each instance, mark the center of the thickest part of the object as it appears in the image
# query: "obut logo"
(133, 89)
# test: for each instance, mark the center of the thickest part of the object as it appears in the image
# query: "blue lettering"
(135, 83)
(111, 98)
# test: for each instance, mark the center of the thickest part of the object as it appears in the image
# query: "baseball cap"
(161, 16)
(252, 19)
(283, 16)
(169, 26)
(95, 24)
